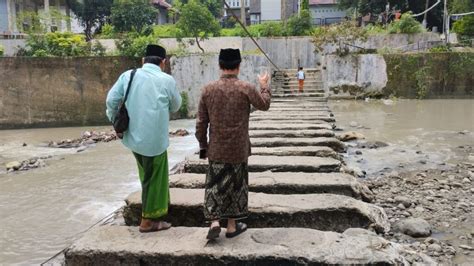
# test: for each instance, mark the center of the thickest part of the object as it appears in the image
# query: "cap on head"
(230, 56)
(155, 50)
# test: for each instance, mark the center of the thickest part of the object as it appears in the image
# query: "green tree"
(215, 6)
(91, 13)
(305, 5)
(465, 26)
(197, 21)
(406, 24)
(133, 44)
(340, 35)
(128, 15)
(460, 6)
(299, 25)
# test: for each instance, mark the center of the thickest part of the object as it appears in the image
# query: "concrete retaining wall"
(286, 52)
(37, 92)
(410, 75)
(57, 91)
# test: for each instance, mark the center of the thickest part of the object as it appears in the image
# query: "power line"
(248, 33)
(427, 10)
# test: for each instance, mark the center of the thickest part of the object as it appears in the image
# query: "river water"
(44, 210)
(422, 134)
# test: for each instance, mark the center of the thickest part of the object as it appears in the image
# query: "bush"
(2, 50)
(440, 49)
(266, 29)
(299, 25)
(183, 109)
(134, 45)
(166, 31)
(465, 26)
(406, 24)
(108, 32)
(56, 44)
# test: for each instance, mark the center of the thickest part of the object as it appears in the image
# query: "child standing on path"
(301, 77)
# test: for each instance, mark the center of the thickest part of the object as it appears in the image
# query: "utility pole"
(445, 19)
(425, 19)
(243, 16)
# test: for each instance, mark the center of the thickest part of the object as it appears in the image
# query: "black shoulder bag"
(121, 119)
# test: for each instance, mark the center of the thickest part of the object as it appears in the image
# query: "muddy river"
(44, 210)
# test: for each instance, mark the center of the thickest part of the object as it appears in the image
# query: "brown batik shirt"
(225, 108)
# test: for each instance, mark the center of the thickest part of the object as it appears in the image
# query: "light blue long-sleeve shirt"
(153, 95)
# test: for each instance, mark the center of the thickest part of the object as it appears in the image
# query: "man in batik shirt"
(225, 108)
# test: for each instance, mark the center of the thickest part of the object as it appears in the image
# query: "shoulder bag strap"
(129, 85)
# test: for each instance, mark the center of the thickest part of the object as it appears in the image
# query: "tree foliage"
(129, 15)
(91, 13)
(406, 24)
(341, 35)
(134, 45)
(197, 21)
(460, 6)
(34, 22)
(299, 25)
(305, 5)
(214, 6)
(465, 26)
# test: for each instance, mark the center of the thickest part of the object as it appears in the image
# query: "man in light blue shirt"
(152, 96)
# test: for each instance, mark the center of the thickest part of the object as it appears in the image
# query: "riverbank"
(422, 167)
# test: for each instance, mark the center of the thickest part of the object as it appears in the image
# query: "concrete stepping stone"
(262, 125)
(318, 151)
(307, 99)
(259, 163)
(300, 112)
(124, 245)
(289, 117)
(327, 212)
(304, 94)
(291, 133)
(288, 183)
(333, 143)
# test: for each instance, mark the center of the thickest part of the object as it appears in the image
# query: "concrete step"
(306, 99)
(302, 117)
(293, 109)
(259, 163)
(290, 134)
(296, 112)
(124, 245)
(262, 125)
(304, 94)
(333, 143)
(327, 212)
(288, 183)
(318, 151)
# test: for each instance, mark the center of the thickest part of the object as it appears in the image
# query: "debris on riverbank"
(91, 137)
(441, 198)
(35, 162)
(179, 133)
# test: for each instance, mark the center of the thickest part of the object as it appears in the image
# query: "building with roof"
(325, 12)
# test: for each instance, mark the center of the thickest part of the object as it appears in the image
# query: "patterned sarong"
(153, 172)
(226, 193)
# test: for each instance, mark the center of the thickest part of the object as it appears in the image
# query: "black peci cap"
(155, 50)
(230, 56)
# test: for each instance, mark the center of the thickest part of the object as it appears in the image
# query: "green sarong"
(153, 172)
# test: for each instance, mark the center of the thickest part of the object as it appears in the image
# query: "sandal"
(155, 227)
(239, 229)
(214, 232)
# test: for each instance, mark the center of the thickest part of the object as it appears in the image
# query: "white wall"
(366, 72)
(270, 10)
(193, 72)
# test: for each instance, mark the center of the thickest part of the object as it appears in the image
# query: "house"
(235, 9)
(272, 10)
(164, 7)
(11, 9)
(326, 12)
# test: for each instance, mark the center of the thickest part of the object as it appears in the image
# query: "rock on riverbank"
(443, 198)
